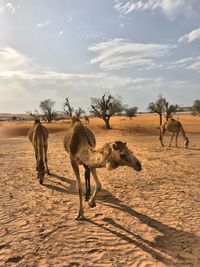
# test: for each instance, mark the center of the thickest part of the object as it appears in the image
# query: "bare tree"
(169, 109)
(162, 106)
(70, 111)
(196, 107)
(158, 107)
(79, 112)
(35, 115)
(67, 108)
(47, 108)
(131, 112)
(105, 107)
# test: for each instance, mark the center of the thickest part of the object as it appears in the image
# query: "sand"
(150, 218)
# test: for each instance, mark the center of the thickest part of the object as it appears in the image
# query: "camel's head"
(36, 121)
(120, 155)
(186, 142)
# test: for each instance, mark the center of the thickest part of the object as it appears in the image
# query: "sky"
(136, 49)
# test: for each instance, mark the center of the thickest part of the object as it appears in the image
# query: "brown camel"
(175, 127)
(79, 142)
(38, 136)
(87, 119)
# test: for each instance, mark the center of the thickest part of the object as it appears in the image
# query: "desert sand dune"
(151, 218)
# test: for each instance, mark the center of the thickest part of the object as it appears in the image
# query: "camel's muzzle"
(137, 166)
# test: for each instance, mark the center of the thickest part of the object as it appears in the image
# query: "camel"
(38, 136)
(175, 127)
(79, 142)
(87, 119)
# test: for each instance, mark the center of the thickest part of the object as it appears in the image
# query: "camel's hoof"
(92, 204)
(87, 197)
(80, 217)
(48, 173)
(41, 181)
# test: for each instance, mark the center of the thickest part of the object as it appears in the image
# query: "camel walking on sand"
(175, 127)
(79, 142)
(38, 136)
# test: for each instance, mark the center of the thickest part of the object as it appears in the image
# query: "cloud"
(8, 8)
(195, 65)
(170, 8)
(182, 63)
(22, 80)
(189, 63)
(118, 54)
(61, 32)
(190, 37)
(23, 85)
(1, 9)
(10, 59)
(11, 8)
(43, 24)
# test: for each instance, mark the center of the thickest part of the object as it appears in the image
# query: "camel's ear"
(115, 147)
(124, 143)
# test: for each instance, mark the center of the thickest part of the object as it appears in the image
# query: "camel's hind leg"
(75, 167)
(46, 165)
(170, 142)
(91, 202)
(87, 182)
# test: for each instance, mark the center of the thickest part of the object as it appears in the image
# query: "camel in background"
(175, 127)
(38, 136)
(86, 119)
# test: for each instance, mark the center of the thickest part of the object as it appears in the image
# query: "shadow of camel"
(193, 148)
(173, 247)
(69, 188)
(181, 148)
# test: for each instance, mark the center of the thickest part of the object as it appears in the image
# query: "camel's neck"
(183, 132)
(97, 158)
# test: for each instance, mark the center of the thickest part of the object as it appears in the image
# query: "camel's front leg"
(177, 133)
(171, 139)
(162, 131)
(87, 182)
(91, 202)
(75, 167)
(36, 159)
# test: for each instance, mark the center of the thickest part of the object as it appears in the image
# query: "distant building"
(184, 109)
